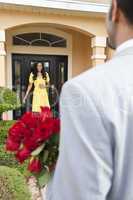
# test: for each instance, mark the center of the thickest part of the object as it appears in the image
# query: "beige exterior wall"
(81, 53)
(93, 24)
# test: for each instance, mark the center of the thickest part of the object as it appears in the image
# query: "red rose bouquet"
(35, 137)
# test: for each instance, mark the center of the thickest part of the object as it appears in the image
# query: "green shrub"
(7, 158)
(8, 100)
(4, 127)
(13, 185)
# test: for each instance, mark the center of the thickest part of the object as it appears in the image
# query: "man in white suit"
(96, 146)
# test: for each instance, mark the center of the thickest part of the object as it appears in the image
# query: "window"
(39, 39)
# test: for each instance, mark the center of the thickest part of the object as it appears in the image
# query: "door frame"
(39, 55)
(13, 49)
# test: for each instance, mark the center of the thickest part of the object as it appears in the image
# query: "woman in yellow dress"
(40, 79)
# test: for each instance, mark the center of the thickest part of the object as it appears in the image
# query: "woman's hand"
(24, 100)
(27, 93)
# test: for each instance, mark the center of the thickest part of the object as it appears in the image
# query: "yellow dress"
(40, 95)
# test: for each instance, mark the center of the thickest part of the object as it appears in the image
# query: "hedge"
(4, 127)
(7, 158)
(13, 185)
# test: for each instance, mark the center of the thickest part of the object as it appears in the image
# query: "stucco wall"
(81, 53)
(90, 24)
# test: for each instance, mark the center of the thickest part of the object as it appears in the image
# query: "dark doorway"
(56, 66)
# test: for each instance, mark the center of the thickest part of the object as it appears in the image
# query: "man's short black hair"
(126, 7)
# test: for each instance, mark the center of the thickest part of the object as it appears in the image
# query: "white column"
(2, 59)
(98, 45)
(3, 65)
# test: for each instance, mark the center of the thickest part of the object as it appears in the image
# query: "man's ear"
(115, 11)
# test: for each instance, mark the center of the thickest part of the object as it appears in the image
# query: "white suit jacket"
(96, 145)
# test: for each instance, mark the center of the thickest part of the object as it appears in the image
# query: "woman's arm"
(31, 81)
(27, 92)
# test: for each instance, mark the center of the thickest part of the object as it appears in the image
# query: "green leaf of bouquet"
(55, 139)
(43, 178)
(38, 150)
(45, 156)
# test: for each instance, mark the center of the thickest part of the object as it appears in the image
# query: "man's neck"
(125, 35)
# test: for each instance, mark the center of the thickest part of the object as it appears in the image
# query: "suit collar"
(125, 45)
(125, 48)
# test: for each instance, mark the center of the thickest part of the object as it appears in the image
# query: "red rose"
(11, 145)
(16, 131)
(46, 113)
(32, 143)
(27, 134)
(35, 141)
(35, 166)
(31, 120)
(43, 133)
(47, 125)
(22, 155)
(56, 126)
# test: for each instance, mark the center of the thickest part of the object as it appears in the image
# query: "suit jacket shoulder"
(105, 85)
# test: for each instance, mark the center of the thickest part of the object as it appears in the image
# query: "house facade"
(68, 36)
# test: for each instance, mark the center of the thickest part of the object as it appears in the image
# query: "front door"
(56, 66)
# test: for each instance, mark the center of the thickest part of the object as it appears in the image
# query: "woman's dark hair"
(35, 71)
(126, 7)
